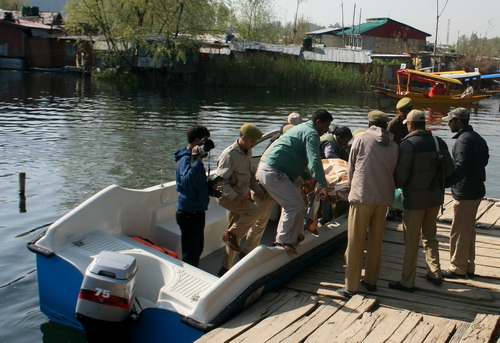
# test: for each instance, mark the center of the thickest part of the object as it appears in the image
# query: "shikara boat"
(411, 83)
(109, 267)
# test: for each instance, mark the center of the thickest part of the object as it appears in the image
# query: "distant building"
(379, 35)
(32, 39)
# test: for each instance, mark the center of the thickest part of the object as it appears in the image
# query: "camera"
(212, 184)
(204, 147)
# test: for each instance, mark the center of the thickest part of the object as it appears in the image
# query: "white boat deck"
(171, 284)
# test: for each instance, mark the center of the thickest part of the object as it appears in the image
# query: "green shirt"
(297, 151)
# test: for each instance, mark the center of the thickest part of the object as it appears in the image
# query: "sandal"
(311, 227)
(300, 238)
(289, 248)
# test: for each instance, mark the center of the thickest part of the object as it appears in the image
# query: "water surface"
(73, 137)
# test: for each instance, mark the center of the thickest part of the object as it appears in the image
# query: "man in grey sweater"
(372, 160)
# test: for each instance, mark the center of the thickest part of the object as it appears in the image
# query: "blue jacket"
(191, 182)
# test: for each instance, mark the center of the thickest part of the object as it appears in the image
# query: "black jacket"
(421, 170)
(471, 155)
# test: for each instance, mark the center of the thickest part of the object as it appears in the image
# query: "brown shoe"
(311, 227)
(300, 238)
(230, 240)
(289, 248)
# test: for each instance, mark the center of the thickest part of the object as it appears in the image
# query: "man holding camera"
(248, 206)
(193, 190)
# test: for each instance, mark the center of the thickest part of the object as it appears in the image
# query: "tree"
(478, 52)
(256, 21)
(162, 28)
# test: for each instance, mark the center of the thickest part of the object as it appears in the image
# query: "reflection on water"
(73, 136)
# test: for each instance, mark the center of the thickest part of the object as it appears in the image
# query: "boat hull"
(182, 298)
(438, 99)
(59, 284)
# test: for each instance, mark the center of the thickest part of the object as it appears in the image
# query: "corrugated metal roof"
(242, 46)
(28, 24)
(323, 31)
(47, 18)
(338, 55)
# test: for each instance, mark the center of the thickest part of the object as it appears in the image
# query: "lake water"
(73, 137)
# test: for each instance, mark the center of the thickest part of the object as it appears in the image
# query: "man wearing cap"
(247, 204)
(295, 154)
(471, 155)
(372, 160)
(396, 126)
(423, 165)
(294, 118)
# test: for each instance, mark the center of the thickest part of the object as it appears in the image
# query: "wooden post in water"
(22, 183)
(22, 189)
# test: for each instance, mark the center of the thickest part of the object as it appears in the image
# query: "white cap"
(294, 118)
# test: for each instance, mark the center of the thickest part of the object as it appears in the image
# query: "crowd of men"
(390, 154)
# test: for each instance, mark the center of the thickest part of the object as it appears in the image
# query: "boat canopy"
(490, 76)
(425, 77)
(407, 76)
(464, 75)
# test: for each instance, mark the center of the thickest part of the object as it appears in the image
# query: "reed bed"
(285, 73)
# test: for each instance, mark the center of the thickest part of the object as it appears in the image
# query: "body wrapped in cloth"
(336, 172)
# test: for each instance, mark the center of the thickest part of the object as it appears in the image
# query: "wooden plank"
(490, 218)
(448, 213)
(419, 333)
(361, 328)
(392, 319)
(483, 207)
(460, 332)
(313, 288)
(289, 313)
(405, 328)
(441, 332)
(342, 319)
(300, 330)
(438, 307)
(267, 304)
(481, 330)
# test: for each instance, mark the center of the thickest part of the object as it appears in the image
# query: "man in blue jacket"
(192, 187)
(471, 155)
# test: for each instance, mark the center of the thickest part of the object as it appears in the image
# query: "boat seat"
(93, 243)
(169, 280)
(186, 288)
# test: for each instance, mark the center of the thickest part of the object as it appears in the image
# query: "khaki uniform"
(235, 168)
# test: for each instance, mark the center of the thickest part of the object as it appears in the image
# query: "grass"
(285, 73)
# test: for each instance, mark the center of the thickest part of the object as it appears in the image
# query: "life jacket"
(155, 246)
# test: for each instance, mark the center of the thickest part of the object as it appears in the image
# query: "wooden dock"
(308, 309)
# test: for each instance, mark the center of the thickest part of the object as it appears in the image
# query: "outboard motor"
(106, 296)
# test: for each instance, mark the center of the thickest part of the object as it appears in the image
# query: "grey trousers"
(286, 194)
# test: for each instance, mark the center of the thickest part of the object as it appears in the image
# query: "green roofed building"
(380, 35)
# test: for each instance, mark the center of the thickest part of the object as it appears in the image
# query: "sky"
(462, 17)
